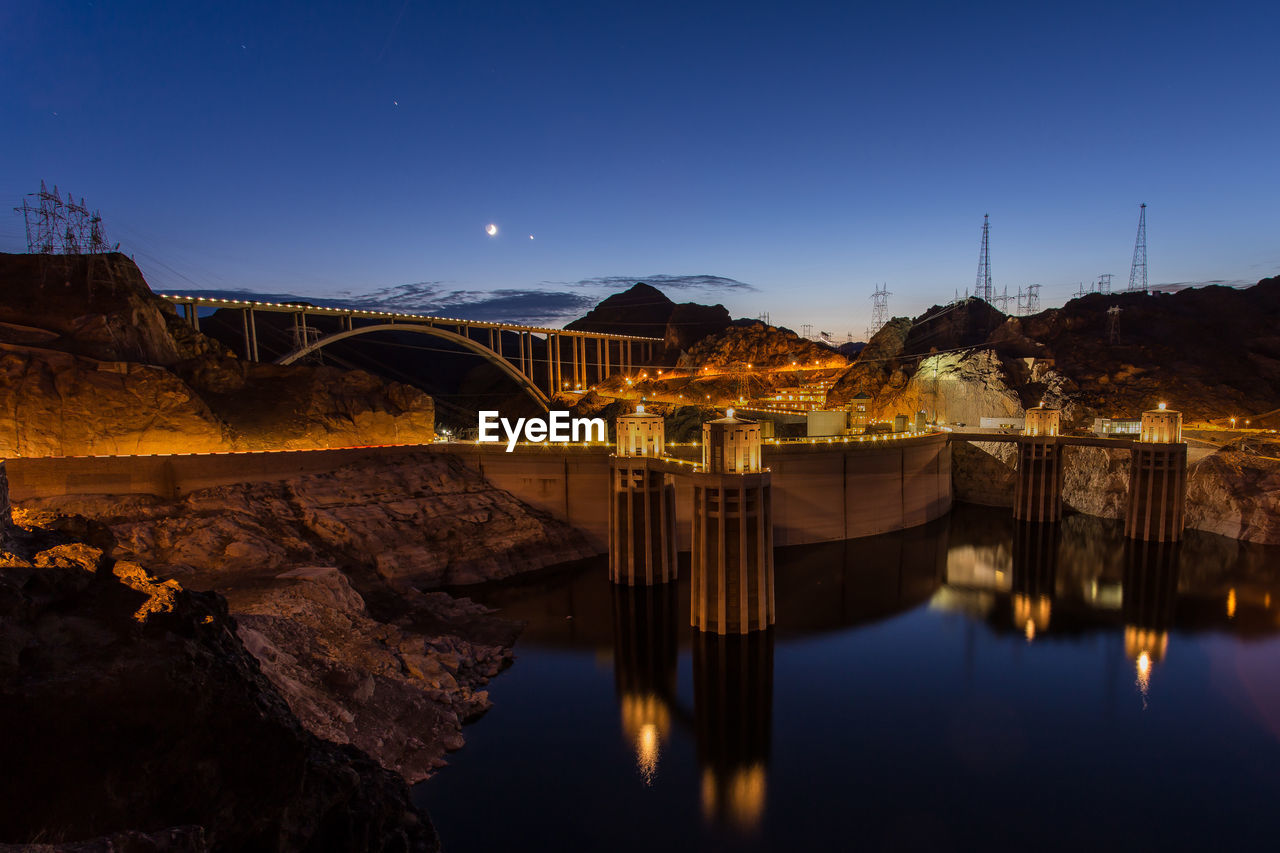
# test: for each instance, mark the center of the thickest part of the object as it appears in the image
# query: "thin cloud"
(674, 282)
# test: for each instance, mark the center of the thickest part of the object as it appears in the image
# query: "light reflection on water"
(970, 683)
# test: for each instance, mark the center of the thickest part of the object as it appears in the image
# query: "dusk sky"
(791, 155)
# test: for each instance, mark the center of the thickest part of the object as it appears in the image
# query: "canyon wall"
(93, 363)
(1233, 492)
(139, 721)
(331, 577)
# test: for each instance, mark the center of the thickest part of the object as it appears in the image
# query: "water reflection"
(970, 649)
(733, 705)
(1150, 592)
(645, 650)
(1035, 567)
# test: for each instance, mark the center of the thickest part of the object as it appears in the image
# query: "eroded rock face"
(281, 407)
(397, 694)
(1099, 355)
(67, 405)
(1233, 492)
(418, 520)
(645, 310)
(323, 574)
(91, 362)
(982, 472)
(1095, 481)
(131, 704)
(760, 346)
(97, 306)
(1236, 494)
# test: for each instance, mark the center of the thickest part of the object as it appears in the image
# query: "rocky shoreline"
(139, 720)
(332, 582)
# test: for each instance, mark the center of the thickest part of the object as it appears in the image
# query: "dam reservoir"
(948, 686)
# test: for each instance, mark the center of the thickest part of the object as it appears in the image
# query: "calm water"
(958, 686)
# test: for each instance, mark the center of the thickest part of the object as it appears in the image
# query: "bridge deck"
(385, 316)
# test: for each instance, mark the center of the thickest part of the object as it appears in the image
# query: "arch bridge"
(563, 359)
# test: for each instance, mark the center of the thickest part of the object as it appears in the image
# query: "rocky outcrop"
(1095, 481)
(325, 575)
(1234, 492)
(1237, 493)
(68, 405)
(982, 472)
(279, 407)
(645, 310)
(876, 371)
(760, 346)
(1098, 356)
(97, 306)
(91, 362)
(416, 521)
(397, 694)
(133, 706)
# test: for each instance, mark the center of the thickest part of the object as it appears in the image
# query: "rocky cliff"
(761, 346)
(93, 363)
(645, 310)
(1097, 356)
(131, 705)
(329, 578)
(1234, 492)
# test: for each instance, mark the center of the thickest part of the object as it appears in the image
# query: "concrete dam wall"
(821, 492)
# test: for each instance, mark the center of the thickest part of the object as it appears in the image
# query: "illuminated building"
(732, 551)
(1157, 478)
(859, 415)
(642, 518)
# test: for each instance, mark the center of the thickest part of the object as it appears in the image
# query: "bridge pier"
(732, 554)
(642, 505)
(1037, 494)
(1157, 479)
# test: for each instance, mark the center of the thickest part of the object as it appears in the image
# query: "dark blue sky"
(807, 149)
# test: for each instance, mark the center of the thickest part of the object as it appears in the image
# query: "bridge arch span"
(479, 349)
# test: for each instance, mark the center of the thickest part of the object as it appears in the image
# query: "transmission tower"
(879, 309)
(1032, 304)
(1138, 272)
(982, 289)
(1113, 324)
(806, 331)
(57, 227)
(1002, 301)
(1104, 282)
(764, 318)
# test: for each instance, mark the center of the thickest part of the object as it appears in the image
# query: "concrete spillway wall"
(821, 492)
